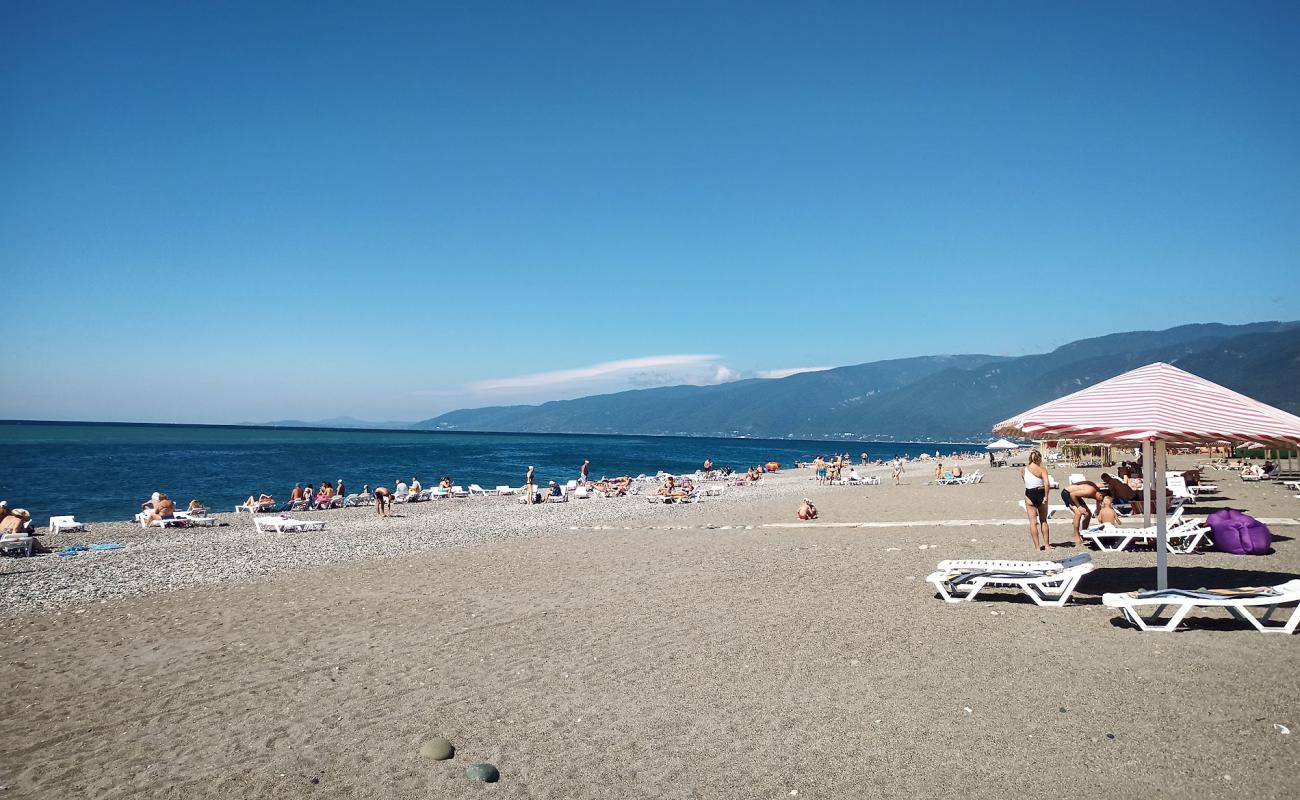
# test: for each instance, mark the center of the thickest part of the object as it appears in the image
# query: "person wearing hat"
(16, 521)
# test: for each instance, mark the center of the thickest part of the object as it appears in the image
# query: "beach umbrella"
(1002, 444)
(1157, 405)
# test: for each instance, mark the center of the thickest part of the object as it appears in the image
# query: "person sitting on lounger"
(445, 483)
(416, 486)
(161, 508)
(383, 501)
(1073, 498)
(807, 510)
(309, 496)
(296, 495)
(555, 491)
(666, 488)
(1106, 513)
(196, 508)
(16, 521)
(956, 471)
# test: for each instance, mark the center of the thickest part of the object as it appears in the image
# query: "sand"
(669, 660)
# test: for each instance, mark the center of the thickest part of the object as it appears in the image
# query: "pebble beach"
(615, 648)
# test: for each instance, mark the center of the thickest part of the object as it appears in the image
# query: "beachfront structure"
(1157, 405)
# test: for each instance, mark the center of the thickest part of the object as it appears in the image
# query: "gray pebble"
(483, 772)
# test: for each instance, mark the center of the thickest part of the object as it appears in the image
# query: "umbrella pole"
(1162, 547)
(1146, 484)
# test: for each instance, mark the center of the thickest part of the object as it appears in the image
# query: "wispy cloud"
(785, 373)
(607, 369)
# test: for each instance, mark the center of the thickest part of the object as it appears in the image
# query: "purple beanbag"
(1239, 534)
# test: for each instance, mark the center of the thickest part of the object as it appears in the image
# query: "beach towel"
(1239, 534)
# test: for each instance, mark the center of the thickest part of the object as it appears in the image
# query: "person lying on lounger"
(1121, 492)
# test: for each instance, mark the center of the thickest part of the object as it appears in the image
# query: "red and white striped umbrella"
(1157, 402)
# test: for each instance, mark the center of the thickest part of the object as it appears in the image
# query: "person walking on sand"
(898, 470)
(582, 473)
(383, 501)
(1036, 482)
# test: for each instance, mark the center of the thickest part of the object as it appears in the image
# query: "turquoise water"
(103, 472)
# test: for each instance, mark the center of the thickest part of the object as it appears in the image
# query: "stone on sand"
(483, 772)
(437, 749)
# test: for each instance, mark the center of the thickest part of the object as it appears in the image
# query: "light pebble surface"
(656, 651)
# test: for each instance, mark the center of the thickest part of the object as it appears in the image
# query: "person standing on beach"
(898, 470)
(582, 473)
(1073, 498)
(1036, 483)
(383, 501)
(528, 485)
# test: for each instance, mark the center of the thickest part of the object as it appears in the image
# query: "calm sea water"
(104, 472)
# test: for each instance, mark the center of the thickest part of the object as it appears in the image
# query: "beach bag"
(1239, 534)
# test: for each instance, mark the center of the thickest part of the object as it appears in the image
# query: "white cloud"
(785, 373)
(624, 368)
(725, 374)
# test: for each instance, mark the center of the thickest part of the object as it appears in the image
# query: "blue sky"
(390, 210)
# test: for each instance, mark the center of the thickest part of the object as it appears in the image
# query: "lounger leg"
(1153, 623)
(948, 597)
(1261, 623)
(1054, 596)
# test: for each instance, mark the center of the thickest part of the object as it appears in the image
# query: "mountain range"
(946, 397)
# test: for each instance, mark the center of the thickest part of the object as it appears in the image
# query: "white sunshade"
(1002, 444)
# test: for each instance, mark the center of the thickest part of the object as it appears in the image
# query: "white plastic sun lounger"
(1051, 509)
(506, 491)
(287, 524)
(255, 508)
(17, 543)
(475, 489)
(1047, 583)
(59, 524)
(1112, 539)
(459, 491)
(1238, 603)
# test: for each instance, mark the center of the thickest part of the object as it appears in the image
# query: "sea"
(103, 472)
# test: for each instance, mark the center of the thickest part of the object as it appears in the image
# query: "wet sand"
(669, 660)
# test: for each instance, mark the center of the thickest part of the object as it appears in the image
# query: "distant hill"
(932, 397)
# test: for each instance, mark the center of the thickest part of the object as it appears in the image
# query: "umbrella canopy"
(1157, 402)
(1002, 444)
(1156, 405)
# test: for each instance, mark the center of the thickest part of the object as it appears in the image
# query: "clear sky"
(254, 211)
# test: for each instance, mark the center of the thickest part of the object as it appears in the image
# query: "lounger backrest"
(57, 521)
